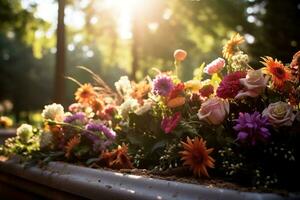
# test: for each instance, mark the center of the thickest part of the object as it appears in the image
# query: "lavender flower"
(80, 116)
(252, 128)
(162, 85)
(98, 144)
(110, 134)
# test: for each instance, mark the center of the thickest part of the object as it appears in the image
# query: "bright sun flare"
(125, 10)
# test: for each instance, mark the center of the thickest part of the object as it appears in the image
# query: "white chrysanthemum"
(53, 112)
(24, 132)
(144, 108)
(127, 106)
(123, 86)
(239, 60)
(46, 139)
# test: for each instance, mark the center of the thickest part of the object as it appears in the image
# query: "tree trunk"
(59, 84)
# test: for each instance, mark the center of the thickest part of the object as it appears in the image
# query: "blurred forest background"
(127, 37)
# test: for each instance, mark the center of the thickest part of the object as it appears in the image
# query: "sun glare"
(125, 11)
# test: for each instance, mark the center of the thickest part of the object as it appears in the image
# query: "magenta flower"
(252, 128)
(168, 124)
(162, 85)
(230, 85)
(206, 90)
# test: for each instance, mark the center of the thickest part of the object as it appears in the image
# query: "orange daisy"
(279, 73)
(196, 155)
(85, 94)
(140, 91)
(72, 143)
(295, 66)
(97, 105)
(230, 47)
(117, 158)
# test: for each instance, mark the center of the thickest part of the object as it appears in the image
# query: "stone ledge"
(97, 183)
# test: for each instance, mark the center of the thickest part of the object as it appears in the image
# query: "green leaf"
(157, 145)
(198, 72)
(215, 80)
(135, 139)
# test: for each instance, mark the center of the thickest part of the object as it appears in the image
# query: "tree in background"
(60, 66)
(276, 28)
(22, 75)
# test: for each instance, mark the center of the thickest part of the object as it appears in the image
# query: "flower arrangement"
(231, 121)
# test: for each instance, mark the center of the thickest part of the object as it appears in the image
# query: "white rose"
(280, 114)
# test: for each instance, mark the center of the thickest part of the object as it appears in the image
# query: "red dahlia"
(230, 85)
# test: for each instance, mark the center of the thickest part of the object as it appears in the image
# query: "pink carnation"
(169, 123)
(215, 66)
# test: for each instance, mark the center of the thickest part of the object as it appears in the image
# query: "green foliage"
(19, 146)
(198, 72)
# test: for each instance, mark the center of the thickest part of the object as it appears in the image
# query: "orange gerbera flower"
(295, 66)
(97, 106)
(140, 91)
(117, 158)
(278, 72)
(72, 143)
(85, 94)
(196, 155)
(230, 47)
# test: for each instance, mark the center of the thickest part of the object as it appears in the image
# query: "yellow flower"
(193, 85)
(85, 94)
(230, 47)
(5, 122)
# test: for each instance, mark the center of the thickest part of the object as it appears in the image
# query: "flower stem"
(177, 65)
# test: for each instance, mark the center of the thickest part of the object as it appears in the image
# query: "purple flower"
(92, 137)
(80, 117)
(110, 134)
(98, 144)
(252, 128)
(162, 85)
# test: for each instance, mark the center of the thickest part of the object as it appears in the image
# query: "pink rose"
(280, 114)
(214, 110)
(215, 66)
(254, 84)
